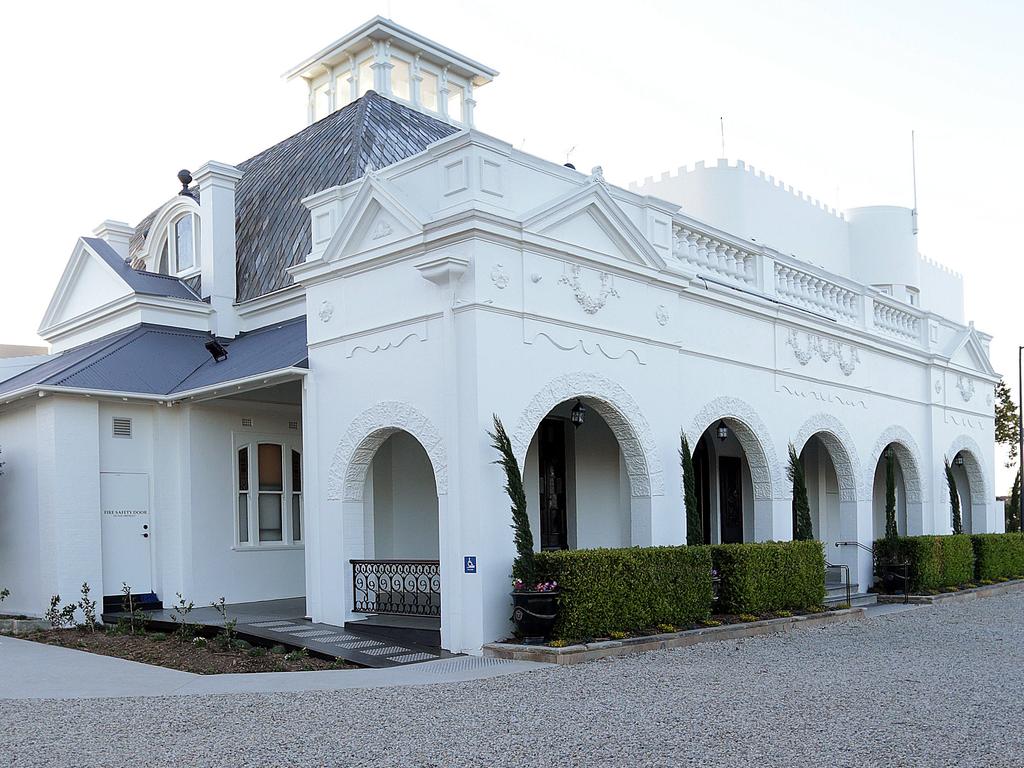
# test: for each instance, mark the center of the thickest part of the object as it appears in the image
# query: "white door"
(127, 532)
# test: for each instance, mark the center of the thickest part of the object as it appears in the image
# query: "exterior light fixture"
(959, 460)
(577, 414)
(217, 350)
(723, 431)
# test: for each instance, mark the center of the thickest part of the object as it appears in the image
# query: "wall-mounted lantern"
(723, 431)
(577, 414)
(959, 460)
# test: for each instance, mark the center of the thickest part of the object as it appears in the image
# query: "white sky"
(105, 102)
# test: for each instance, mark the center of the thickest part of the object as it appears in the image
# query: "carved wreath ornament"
(590, 304)
(826, 349)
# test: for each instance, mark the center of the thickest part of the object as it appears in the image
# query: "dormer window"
(428, 91)
(401, 79)
(180, 246)
(455, 96)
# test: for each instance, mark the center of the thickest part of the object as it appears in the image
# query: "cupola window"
(180, 245)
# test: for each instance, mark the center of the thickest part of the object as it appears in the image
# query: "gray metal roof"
(159, 360)
(272, 228)
(140, 281)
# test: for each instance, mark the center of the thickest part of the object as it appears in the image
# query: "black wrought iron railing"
(844, 577)
(891, 573)
(397, 587)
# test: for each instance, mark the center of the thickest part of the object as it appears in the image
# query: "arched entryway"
(736, 473)
(971, 486)
(897, 443)
(390, 474)
(589, 465)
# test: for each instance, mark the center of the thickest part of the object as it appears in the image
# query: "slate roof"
(140, 281)
(272, 229)
(160, 360)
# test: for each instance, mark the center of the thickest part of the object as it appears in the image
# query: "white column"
(217, 242)
(116, 234)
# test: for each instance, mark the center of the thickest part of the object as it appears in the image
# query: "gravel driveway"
(934, 686)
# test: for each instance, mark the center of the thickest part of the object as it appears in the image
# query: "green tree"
(523, 566)
(1013, 507)
(694, 520)
(1007, 424)
(891, 532)
(954, 498)
(802, 528)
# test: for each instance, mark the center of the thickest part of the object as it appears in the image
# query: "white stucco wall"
(19, 513)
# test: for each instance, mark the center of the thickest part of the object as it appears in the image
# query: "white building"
(385, 281)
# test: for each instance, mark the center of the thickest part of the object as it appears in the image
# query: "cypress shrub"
(954, 499)
(935, 561)
(998, 555)
(626, 590)
(770, 576)
(694, 521)
(802, 528)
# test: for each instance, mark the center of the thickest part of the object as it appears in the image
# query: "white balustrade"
(897, 322)
(707, 253)
(816, 293)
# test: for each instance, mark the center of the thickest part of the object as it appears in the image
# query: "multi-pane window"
(400, 79)
(365, 73)
(428, 90)
(180, 245)
(321, 101)
(269, 495)
(455, 102)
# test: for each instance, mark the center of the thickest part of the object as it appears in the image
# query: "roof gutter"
(212, 391)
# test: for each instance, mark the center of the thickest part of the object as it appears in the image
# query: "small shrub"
(769, 576)
(200, 642)
(934, 562)
(297, 655)
(783, 614)
(228, 634)
(711, 623)
(135, 621)
(60, 618)
(627, 590)
(158, 637)
(558, 643)
(667, 628)
(241, 645)
(997, 555)
(987, 582)
(257, 651)
(179, 615)
(746, 618)
(279, 649)
(618, 635)
(88, 608)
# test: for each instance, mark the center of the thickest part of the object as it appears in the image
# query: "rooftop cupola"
(396, 62)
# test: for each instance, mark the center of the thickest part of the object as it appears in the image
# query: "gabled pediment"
(375, 217)
(969, 352)
(88, 282)
(589, 217)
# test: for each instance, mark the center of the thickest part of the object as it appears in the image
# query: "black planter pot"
(534, 614)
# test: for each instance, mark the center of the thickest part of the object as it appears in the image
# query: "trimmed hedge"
(998, 555)
(770, 576)
(626, 590)
(935, 561)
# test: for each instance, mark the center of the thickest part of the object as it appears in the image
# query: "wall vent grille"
(122, 427)
(293, 425)
(246, 422)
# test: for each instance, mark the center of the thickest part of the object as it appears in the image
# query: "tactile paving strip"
(387, 651)
(409, 658)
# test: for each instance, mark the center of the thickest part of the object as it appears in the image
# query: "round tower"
(883, 250)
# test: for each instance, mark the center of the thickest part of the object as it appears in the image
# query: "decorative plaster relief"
(823, 397)
(381, 229)
(661, 315)
(753, 435)
(841, 449)
(938, 386)
(966, 387)
(381, 341)
(590, 304)
(326, 311)
(499, 277)
(908, 455)
(826, 349)
(964, 421)
(973, 466)
(619, 411)
(588, 348)
(366, 433)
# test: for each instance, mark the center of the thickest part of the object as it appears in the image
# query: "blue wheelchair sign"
(470, 563)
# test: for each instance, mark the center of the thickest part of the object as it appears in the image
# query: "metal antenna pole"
(913, 172)
(721, 125)
(1020, 430)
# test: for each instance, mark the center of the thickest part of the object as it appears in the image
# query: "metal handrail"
(857, 544)
(846, 569)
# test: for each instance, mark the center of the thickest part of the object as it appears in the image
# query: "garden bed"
(957, 594)
(721, 627)
(204, 657)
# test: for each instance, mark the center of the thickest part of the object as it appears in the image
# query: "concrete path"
(31, 670)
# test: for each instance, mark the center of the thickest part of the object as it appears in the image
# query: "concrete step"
(857, 599)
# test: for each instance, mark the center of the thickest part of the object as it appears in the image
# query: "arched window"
(180, 246)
